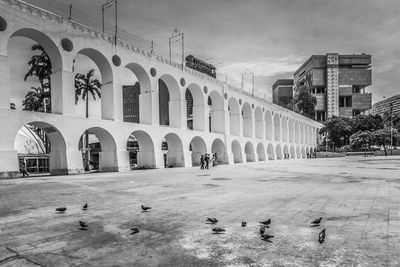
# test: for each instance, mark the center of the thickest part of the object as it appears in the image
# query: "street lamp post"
(391, 129)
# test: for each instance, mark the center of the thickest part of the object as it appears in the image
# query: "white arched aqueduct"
(237, 127)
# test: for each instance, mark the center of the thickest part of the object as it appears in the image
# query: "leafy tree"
(304, 102)
(338, 130)
(388, 119)
(86, 84)
(366, 123)
(40, 67)
(383, 137)
(35, 98)
(361, 140)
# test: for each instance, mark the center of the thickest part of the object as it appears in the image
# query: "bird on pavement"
(134, 230)
(218, 230)
(267, 222)
(83, 225)
(316, 222)
(267, 237)
(212, 220)
(262, 230)
(61, 209)
(85, 207)
(321, 236)
(244, 223)
(144, 208)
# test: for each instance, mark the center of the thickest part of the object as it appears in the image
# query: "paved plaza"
(357, 197)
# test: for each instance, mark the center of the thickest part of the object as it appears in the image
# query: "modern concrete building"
(225, 120)
(282, 92)
(338, 82)
(388, 105)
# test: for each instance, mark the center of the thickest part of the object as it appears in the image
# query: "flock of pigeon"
(216, 230)
(263, 226)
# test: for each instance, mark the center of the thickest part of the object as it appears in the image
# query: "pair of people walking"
(205, 161)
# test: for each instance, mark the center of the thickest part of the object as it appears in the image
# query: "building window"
(345, 101)
(357, 89)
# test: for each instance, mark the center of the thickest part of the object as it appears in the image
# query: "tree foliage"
(40, 67)
(338, 130)
(361, 140)
(304, 102)
(86, 84)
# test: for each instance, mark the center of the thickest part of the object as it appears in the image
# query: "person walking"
(207, 159)
(24, 170)
(201, 162)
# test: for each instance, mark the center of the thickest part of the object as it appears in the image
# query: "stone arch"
(268, 125)
(286, 152)
(292, 152)
(141, 89)
(57, 65)
(261, 152)
(259, 123)
(107, 155)
(249, 151)
(195, 108)
(303, 152)
(175, 156)
(198, 147)
(298, 152)
(234, 116)
(277, 127)
(170, 101)
(284, 123)
(104, 66)
(247, 116)
(291, 130)
(278, 152)
(216, 113)
(58, 164)
(270, 152)
(218, 147)
(237, 152)
(144, 155)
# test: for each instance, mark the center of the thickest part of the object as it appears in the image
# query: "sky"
(270, 38)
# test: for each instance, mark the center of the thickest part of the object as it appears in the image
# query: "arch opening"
(261, 152)
(286, 154)
(270, 151)
(284, 123)
(237, 152)
(170, 102)
(268, 125)
(278, 152)
(173, 151)
(99, 151)
(198, 147)
(259, 127)
(195, 108)
(141, 150)
(249, 151)
(219, 150)
(216, 116)
(277, 127)
(234, 116)
(247, 117)
(41, 149)
(292, 152)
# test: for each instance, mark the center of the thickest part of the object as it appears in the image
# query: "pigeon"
(212, 220)
(321, 237)
(267, 222)
(85, 207)
(218, 230)
(134, 230)
(244, 224)
(267, 237)
(144, 208)
(61, 209)
(83, 225)
(316, 222)
(262, 230)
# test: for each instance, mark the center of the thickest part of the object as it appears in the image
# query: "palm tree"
(39, 66)
(85, 84)
(35, 98)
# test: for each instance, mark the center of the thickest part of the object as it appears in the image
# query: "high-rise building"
(389, 105)
(282, 92)
(338, 82)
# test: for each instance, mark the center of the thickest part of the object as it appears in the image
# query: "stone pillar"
(63, 93)
(229, 157)
(58, 163)
(159, 158)
(74, 161)
(107, 101)
(108, 161)
(148, 108)
(146, 159)
(123, 160)
(176, 113)
(9, 166)
(199, 118)
(4, 83)
(218, 120)
(187, 157)
(118, 102)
